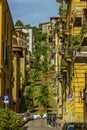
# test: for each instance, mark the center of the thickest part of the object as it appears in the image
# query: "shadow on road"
(25, 127)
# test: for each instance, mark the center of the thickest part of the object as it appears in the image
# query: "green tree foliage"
(37, 92)
(9, 120)
(27, 26)
(40, 36)
(42, 99)
(37, 51)
(45, 67)
(44, 95)
(84, 28)
(28, 94)
(74, 40)
(19, 23)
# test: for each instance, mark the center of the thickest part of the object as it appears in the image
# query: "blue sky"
(33, 11)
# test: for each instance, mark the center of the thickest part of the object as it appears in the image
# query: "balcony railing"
(52, 62)
(60, 77)
(67, 1)
(62, 12)
(80, 5)
(53, 50)
(68, 54)
(80, 55)
(63, 66)
(59, 1)
(61, 50)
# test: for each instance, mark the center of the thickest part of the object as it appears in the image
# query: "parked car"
(44, 115)
(22, 116)
(74, 126)
(26, 116)
(36, 115)
(31, 116)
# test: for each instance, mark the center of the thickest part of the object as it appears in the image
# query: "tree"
(28, 94)
(19, 23)
(27, 26)
(37, 93)
(9, 120)
(44, 95)
(74, 40)
(84, 28)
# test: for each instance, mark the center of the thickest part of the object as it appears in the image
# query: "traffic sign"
(6, 99)
(70, 96)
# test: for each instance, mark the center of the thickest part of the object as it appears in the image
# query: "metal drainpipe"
(85, 81)
(85, 97)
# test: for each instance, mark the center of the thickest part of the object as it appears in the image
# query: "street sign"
(6, 99)
(70, 96)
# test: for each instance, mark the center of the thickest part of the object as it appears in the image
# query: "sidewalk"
(26, 125)
(59, 123)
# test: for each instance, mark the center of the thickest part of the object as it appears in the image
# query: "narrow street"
(43, 65)
(39, 124)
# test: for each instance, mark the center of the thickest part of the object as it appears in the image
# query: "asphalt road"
(39, 124)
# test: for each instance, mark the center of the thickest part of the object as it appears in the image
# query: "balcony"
(60, 77)
(52, 62)
(59, 1)
(52, 65)
(67, 1)
(54, 76)
(53, 40)
(53, 50)
(27, 62)
(64, 69)
(66, 31)
(60, 33)
(80, 55)
(68, 55)
(64, 66)
(61, 50)
(62, 12)
(50, 39)
(65, 28)
(80, 6)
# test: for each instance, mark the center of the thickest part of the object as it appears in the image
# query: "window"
(78, 22)
(85, 14)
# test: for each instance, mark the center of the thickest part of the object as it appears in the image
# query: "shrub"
(9, 120)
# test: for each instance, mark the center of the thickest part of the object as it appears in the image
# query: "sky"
(33, 12)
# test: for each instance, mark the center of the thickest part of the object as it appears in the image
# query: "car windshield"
(77, 127)
(70, 127)
(80, 127)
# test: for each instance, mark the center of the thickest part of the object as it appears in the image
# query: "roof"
(7, 9)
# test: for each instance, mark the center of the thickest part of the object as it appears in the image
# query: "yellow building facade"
(6, 66)
(45, 26)
(20, 62)
(73, 84)
(16, 91)
(54, 59)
